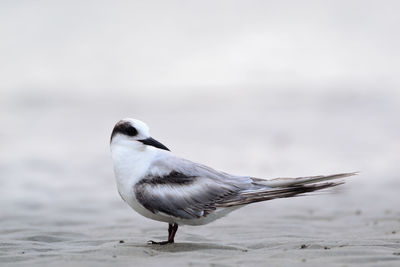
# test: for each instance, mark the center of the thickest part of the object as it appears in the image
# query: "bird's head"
(134, 133)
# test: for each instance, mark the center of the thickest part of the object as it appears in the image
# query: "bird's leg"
(172, 229)
(169, 229)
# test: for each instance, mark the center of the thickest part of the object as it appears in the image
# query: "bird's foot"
(172, 228)
(151, 242)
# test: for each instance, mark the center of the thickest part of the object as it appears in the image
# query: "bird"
(167, 188)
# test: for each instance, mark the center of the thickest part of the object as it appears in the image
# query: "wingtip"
(347, 174)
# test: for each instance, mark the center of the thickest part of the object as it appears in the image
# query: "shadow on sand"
(181, 247)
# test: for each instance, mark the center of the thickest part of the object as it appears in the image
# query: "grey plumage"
(189, 190)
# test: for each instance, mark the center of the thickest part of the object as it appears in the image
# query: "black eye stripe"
(124, 128)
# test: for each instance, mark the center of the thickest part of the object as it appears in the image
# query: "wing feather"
(181, 196)
(187, 190)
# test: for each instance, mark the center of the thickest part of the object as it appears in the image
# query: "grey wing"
(185, 189)
(188, 190)
(182, 196)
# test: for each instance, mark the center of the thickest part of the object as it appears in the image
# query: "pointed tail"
(281, 182)
(283, 188)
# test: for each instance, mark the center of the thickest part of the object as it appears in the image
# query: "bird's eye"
(131, 131)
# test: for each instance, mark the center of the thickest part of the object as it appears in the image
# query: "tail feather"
(283, 188)
(280, 182)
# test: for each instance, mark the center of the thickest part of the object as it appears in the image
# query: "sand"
(59, 204)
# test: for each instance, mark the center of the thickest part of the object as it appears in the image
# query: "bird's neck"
(130, 165)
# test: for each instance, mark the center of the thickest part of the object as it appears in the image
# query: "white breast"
(129, 167)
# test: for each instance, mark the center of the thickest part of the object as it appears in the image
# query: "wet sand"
(59, 204)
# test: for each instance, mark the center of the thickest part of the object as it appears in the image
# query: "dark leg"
(169, 229)
(172, 229)
(173, 232)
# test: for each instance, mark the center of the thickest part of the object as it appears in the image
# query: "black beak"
(152, 142)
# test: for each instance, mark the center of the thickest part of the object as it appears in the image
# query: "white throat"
(131, 162)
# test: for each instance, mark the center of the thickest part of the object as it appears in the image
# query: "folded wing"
(183, 196)
(189, 190)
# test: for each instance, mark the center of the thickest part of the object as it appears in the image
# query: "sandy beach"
(59, 203)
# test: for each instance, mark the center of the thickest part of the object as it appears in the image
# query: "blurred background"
(262, 88)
